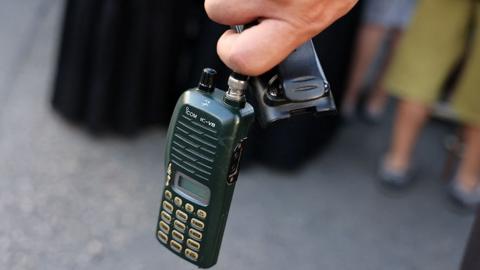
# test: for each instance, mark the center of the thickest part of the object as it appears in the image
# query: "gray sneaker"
(466, 198)
(373, 117)
(348, 112)
(392, 178)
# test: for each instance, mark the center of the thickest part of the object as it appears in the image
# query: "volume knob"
(207, 80)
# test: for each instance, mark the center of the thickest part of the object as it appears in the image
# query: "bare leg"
(378, 97)
(367, 44)
(409, 121)
(469, 170)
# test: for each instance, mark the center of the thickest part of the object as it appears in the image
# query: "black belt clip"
(296, 86)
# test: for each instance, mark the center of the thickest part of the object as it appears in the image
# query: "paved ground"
(70, 201)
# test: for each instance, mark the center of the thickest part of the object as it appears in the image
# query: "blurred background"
(86, 93)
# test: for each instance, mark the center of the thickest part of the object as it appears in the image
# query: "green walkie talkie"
(206, 138)
(205, 141)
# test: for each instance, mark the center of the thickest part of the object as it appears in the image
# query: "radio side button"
(234, 170)
(169, 168)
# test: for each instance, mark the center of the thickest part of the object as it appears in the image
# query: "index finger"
(259, 48)
(235, 12)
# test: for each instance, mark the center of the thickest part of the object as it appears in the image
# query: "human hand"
(283, 25)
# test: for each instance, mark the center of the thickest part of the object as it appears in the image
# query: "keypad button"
(197, 224)
(176, 246)
(164, 227)
(179, 226)
(168, 195)
(193, 244)
(195, 234)
(166, 217)
(182, 216)
(201, 214)
(189, 208)
(178, 201)
(177, 236)
(167, 207)
(162, 237)
(192, 255)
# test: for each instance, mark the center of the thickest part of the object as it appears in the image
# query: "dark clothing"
(123, 63)
(471, 261)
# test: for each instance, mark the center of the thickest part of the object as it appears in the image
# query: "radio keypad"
(164, 227)
(193, 244)
(166, 217)
(168, 195)
(192, 255)
(189, 208)
(176, 246)
(168, 207)
(181, 226)
(195, 234)
(162, 237)
(177, 236)
(197, 224)
(201, 214)
(178, 201)
(182, 216)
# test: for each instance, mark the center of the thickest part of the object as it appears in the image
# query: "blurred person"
(440, 32)
(381, 20)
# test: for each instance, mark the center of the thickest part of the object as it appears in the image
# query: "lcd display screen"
(197, 191)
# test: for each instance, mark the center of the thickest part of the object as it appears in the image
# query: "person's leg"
(424, 58)
(469, 170)
(378, 97)
(409, 121)
(368, 42)
(466, 101)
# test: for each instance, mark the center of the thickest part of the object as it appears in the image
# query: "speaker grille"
(194, 147)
